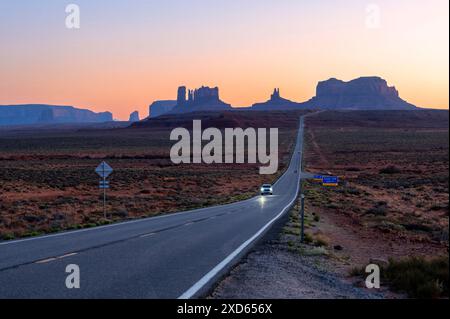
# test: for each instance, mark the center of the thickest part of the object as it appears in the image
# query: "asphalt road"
(174, 256)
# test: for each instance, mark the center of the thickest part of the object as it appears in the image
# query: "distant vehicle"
(266, 189)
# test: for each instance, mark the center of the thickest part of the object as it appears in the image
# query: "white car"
(266, 189)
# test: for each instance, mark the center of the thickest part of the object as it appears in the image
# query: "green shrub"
(308, 238)
(316, 251)
(417, 227)
(379, 209)
(390, 226)
(436, 207)
(357, 272)
(32, 234)
(8, 237)
(90, 225)
(419, 277)
(321, 242)
(391, 169)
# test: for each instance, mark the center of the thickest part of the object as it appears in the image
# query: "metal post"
(302, 212)
(104, 170)
(104, 197)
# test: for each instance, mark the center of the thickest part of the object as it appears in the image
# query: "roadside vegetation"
(418, 277)
(392, 201)
(315, 243)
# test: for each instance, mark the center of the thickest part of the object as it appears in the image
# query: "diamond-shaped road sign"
(104, 170)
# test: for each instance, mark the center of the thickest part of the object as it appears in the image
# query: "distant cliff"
(159, 108)
(371, 93)
(48, 114)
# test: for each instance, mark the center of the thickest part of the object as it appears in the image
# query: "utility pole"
(302, 216)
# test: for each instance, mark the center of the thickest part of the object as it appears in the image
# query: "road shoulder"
(283, 268)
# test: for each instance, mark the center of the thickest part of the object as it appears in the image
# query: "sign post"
(302, 215)
(104, 170)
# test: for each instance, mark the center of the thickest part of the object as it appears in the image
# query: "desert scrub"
(357, 272)
(320, 241)
(419, 277)
(32, 234)
(379, 209)
(8, 236)
(291, 231)
(308, 238)
(391, 169)
(315, 251)
(388, 226)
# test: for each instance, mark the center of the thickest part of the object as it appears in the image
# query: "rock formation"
(181, 96)
(275, 102)
(202, 99)
(362, 93)
(49, 114)
(134, 117)
(365, 93)
(159, 108)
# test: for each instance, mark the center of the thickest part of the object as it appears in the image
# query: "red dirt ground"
(373, 214)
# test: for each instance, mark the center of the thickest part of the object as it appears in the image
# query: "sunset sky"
(129, 53)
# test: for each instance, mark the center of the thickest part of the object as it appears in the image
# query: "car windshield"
(267, 185)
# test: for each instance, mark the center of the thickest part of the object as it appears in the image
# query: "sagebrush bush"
(419, 277)
(321, 241)
(391, 169)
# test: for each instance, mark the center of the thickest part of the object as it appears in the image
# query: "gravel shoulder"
(283, 268)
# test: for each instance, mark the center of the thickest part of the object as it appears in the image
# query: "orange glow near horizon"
(129, 55)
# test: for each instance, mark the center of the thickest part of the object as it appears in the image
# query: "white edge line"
(206, 278)
(45, 261)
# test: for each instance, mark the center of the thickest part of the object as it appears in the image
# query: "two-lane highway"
(173, 256)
